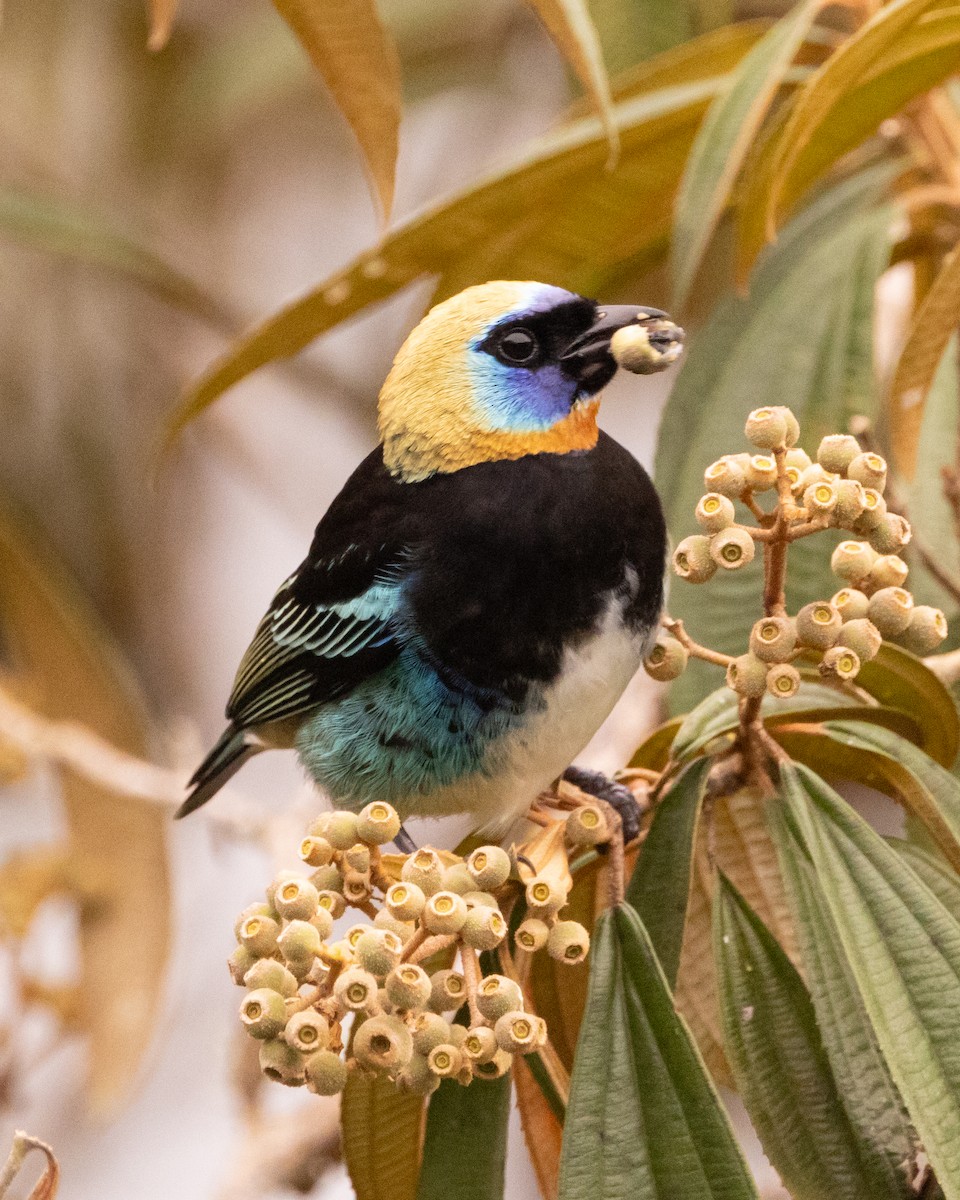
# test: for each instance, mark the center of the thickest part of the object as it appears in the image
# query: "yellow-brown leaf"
(542, 1130)
(382, 1135)
(162, 15)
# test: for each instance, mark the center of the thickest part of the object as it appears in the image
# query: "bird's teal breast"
(401, 735)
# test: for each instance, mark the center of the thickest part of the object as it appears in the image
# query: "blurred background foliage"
(784, 179)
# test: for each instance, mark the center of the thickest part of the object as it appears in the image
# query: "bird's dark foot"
(404, 842)
(620, 798)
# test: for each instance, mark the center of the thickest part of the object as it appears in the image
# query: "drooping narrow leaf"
(525, 222)
(886, 1141)
(381, 1138)
(903, 948)
(930, 792)
(660, 883)
(349, 46)
(162, 14)
(903, 50)
(644, 1120)
(778, 1060)
(571, 27)
(937, 874)
(724, 139)
(465, 1145)
(751, 350)
(934, 324)
(542, 1128)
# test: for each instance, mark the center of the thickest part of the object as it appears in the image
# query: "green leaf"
(465, 1145)
(790, 338)
(349, 46)
(903, 948)
(633, 30)
(660, 884)
(887, 1142)
(906, 48)
(644, 1120)
(939, 877)
(778, 1060)
(571, 27)
(899, 679)
(725, 138)
(381, 1138)
(526, 222)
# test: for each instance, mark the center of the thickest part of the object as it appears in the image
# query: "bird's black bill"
(588, 358)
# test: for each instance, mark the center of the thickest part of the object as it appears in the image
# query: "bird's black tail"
(223, 761)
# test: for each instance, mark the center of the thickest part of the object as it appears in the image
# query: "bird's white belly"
(528, 760)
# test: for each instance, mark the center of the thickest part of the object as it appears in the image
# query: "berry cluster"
(323, 1003)
(842, 489)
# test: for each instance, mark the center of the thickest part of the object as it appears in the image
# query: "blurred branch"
(47, 1184)
(287, 1151)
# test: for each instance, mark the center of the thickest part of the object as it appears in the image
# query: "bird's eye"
(519, 346)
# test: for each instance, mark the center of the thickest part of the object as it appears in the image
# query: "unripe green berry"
(820, 499)
(714, 512)
(316, 851)
(484, 928)
(840, 662)
(425, 869)
(732, 548)
(322, 921)
(357, 886)
(296, 900)
(328, 878)
(429, 1029)
(850, 503)
(268, 973)
(568, 942)
(480, 1044)
(357, 858)
(888, 571)
(813, 475)
(890, 610)
(667, 659)
(408, 986)
(587, 826)
(761, 472)
(378, 824)
(342, 830)
(818, 625)
(747, 676)
(852, 560)
(851, 604)
(531, 935)
(253, 910)
(259, 935)
(773, 639)
(783, 681)
(692, 560)
(490, 867)
(766, 429)
(496, 1067)
(516, 1032)
(356, 990)
(278, 880)
(870, 470)
(281, 1062)
(926, 630)
(481, 900)
(837, 451)
(457, 879)
(383, 1044)
(354, 934)
(862, 637)
(240, 962)
(378, 951)
(447, 991)
(263, 1013)
(318, 826)
(307, 1032)
(726, 476)
(326, 1073)
(544, 896)
(386, 920)
(891, 534)
(405, 901)
(417, 1078)
(797, 458)
(496, 994)
(873, 514)
(444, 912)
(444, 1060)
(300, 942)
(332, 903)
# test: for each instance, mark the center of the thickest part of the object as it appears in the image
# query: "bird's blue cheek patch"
(518, 400)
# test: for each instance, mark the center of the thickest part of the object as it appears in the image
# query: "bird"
(483, 588)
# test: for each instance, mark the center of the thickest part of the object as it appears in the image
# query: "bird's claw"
(619, 797)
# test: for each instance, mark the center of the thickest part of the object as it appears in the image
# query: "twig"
(47, 1184)
(432, 945)
(471, 977)
(694, 649)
